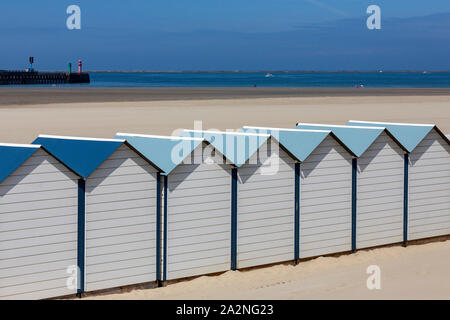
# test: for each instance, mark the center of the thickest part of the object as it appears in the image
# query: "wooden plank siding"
(265, 208)
(38, 229)
(429, 188)
(326, 200)
(199, 215)
(380, 180)
(121, 222)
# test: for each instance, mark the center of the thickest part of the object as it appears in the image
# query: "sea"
(272, 79)
(379, 79)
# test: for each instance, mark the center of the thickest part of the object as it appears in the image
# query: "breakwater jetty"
(31, 76)
(34, 77)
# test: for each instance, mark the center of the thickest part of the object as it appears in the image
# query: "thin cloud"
(327, 7)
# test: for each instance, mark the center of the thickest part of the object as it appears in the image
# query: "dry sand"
(412, 273)
(22, 123)
(415, 272)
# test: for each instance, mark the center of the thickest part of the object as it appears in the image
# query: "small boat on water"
(269, 75)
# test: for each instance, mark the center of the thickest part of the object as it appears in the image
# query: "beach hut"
(378, 183)
(428, 183)
(118, 208)
(262, 196)
(196, 231)
(323, 184)
(38, 223)
(264, 202)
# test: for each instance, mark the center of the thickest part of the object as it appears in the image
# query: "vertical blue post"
(158, 227)
(405, 200)
(81, 235)
(354, 199)
(234, 219)
(297, 214)
(165, 229)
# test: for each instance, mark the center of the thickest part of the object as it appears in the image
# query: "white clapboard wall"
(429, 188)
(38, 229)
(379, 214)
(199, 215)
(326, 200)
(266, 208)
(121, 222)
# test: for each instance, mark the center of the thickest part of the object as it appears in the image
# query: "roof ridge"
(394, 123)
(339, 126)
(286, 129)
(157, 136)
(35, 146)
(224, 132)
(79, 138)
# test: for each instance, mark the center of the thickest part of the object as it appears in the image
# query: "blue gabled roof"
(159, 149)
(12, 156)
(409, 135)
(236, 147)
(82, 155)
(299, 143)
(357, 139)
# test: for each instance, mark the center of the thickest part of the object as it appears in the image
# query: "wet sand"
(35, 95)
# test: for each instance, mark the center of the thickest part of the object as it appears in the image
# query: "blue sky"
(227, 34)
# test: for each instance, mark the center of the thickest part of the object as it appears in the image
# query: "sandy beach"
(33, 95)
(25, 113)
(415, 272)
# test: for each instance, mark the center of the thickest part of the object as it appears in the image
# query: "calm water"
(326, 79)
(374, 79)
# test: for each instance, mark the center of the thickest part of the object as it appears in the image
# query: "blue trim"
(165, 230)
(354, 198)
(297, 213)
(81, 234)
(12, 158)
(405, 199)
(158, 226)
(158, 151)
(358, 140)
(234, 219)
(81, 156)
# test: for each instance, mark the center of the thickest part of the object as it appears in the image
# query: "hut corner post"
(81, 236)
(405, 200)
(297, 215)
(234, 219)
(163, 281)
(158, 229)
(354, 189)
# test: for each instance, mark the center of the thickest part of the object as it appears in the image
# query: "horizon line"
(250, 71)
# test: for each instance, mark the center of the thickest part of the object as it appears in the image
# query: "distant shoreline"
(38, 95)
(268, 71)
(252, 71)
